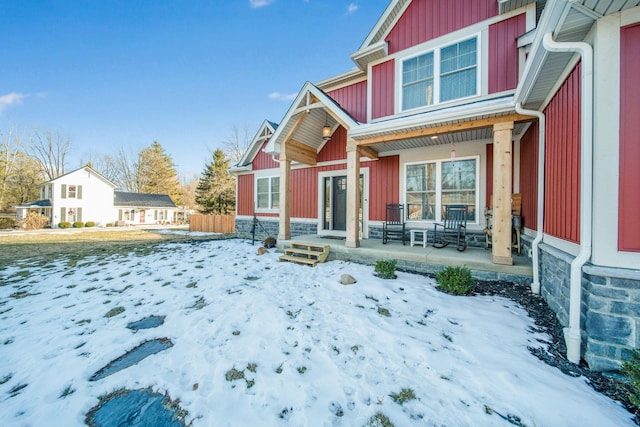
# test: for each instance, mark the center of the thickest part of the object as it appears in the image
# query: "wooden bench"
(306, 253)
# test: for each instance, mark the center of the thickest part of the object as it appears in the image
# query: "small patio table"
(424, 237)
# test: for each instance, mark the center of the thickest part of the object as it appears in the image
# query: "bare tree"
(124, 170)
(237, 143)
(10, 144)
(50, 149)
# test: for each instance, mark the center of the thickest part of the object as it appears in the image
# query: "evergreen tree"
(216, 190)
(156, 173)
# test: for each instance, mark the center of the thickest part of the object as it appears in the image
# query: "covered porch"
(314, 118)
(428, 260)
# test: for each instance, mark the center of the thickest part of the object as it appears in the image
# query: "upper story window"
(71, 191)
(268, 192)
(444, 74)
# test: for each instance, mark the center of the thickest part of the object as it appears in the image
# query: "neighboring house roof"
(142, 200)
(37, 204)
(309, 112)
(89, 170)
(264, 132)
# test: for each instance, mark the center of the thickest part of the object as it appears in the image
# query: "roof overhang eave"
(371, 53)
(553, 20)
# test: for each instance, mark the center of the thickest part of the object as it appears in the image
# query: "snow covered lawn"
(259, 342)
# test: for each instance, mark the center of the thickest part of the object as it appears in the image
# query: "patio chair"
(394, 225)
(453, 229)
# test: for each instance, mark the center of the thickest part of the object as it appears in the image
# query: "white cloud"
(259, 3)
(11, 99)
(282, 96)
(352, 8)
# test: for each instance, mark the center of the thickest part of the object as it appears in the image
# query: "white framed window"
(268, 193)
(433, 185)
(441, 75)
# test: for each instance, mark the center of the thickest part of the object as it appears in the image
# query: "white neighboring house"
(85, 195)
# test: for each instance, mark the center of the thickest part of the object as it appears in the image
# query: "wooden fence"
(212, 223)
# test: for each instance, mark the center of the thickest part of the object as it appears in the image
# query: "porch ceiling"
(306, 127)
(445, 139)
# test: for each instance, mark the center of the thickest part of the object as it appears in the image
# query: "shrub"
(7, 223)
(34, 221)
(109, 224)
(405, 395)
(89, 224)
(78, 224)
(386, 269)
(64, 224)
(455, 280)
(631, 369)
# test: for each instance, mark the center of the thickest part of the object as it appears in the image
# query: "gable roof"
(308, 114)
(89, 170)
(264, 132)
(142, 200)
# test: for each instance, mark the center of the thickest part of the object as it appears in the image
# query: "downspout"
(535, 286)
(572, 334)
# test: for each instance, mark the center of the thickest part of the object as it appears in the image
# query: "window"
(417, 82)
(442, 75)
(71, 191)
(432, 186)
(268, 193)
(421, 191)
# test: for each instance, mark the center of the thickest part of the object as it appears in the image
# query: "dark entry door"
(339, 203)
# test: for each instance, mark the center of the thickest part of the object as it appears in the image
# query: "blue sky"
(125, 73)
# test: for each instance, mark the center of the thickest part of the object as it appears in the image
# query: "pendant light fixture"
(326, 129)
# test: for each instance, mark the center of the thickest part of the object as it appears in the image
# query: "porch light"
(453, 152)
(326, 129)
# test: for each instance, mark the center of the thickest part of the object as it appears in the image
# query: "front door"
(143, 214)
(339, 203)
(333, 203)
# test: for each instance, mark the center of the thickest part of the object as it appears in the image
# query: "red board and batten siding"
(382, 89)
(383, 187)
(425, 20)
(264, 161)
(352, 99)
(503, 53)
(562, 161)
(245, 195)
(529, 176)
(629, 195)
(335, 148)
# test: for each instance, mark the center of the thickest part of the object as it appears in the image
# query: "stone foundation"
(610, 311)
(270, 227)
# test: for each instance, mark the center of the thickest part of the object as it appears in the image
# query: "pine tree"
(156, 173)
(216, 190)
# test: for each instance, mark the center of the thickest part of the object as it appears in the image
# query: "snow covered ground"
(313, 352)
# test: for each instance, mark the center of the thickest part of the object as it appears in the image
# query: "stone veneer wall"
(610, 311)
(245, 226)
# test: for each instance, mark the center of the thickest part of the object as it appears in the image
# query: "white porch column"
(284, 219)
(502, 185)
(353, 195)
